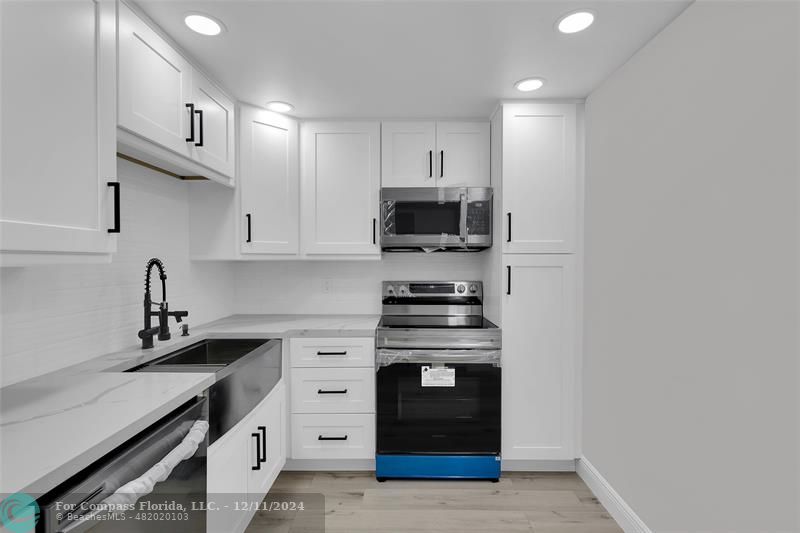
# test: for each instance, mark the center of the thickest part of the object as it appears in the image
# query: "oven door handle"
(388, 356)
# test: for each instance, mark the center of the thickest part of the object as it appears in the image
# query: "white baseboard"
(627, 519)
(328, 465)
(525, 465)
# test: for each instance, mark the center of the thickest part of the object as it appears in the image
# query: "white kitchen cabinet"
(214, 123)
(463, 154)
(435, 154)
(238, 467)
(408, 154)
(333, 390)
(170, 114)
(271, 416)
(155, 86)
(333, 436)
(58, 150)
(539, 352)
(340, 185)
(269, 182)
(539, 188)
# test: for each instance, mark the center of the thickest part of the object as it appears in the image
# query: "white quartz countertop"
(53, 426)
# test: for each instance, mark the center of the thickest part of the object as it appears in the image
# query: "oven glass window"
(464, 418)
(427, 218)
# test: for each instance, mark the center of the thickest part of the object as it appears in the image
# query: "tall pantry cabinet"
(536, 159)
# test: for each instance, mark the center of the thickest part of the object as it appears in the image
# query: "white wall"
(329, 287)
(55, 316)
(691, 297)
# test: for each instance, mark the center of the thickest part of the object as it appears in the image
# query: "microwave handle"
(462, 226)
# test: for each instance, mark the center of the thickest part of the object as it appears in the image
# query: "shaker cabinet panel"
(539, 178)
(58, 151)
(408, 154)
(539, 328)
(269, 182)
(340, 182)
(213, 123)
(463, 154)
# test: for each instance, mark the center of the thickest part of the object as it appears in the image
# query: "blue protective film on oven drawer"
(438, 466)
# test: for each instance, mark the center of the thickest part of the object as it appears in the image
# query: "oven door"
(423, 217)
(438, 402)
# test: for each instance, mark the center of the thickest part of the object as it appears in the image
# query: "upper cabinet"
(539, 183)
(340, 186)
(268, 182)
(435, 154)
(170, 114)
(59, 199)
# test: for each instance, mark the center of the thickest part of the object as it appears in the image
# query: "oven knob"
(473, 288)
(403, 289)
(461, 289)
(390, 289)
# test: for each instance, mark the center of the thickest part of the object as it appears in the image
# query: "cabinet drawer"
(333, 390)
(333, 352)
(333, 436)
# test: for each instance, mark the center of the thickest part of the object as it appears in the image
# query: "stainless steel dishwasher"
(246, 371)
(126, 491)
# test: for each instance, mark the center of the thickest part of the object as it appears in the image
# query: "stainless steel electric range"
(438, 383)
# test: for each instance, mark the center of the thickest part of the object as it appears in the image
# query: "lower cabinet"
(539, 332)
(333, 398)
(243, 463)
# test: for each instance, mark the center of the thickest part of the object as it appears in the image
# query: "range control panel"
(432, 289)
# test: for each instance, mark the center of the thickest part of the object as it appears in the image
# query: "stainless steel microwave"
(436, 218)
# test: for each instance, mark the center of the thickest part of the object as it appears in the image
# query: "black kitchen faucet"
(163, 312)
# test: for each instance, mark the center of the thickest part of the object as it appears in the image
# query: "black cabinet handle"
(332, 353)
(441, 163)
(115, 185)
(508, 270)
(249, 228)
(321, 391)
(190, 138)
(374, 239)
(430, 163)
(263, 452)
(331, 438)
(199, 113)
(257, 466)
(509, 227)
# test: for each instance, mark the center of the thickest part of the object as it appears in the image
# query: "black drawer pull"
(257, 466)
(508, 289)
(374, 239)
(332, 353)
(200, 116)
(249, 228)
(509, 227)
(263, 452)
(441, 163)
(332, 438)
(321, 391)
(115, 185)
(430, 163)
(190, 138)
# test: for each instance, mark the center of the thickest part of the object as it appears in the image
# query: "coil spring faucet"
(163, 312)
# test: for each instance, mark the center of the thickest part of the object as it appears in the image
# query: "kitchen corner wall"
(328, 287)
(690, 403)
(56, 316)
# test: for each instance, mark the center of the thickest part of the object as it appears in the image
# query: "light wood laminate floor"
(520, 502)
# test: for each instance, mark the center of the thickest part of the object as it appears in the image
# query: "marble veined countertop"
(53, 426)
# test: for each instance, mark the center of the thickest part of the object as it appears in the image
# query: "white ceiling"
(380, 59)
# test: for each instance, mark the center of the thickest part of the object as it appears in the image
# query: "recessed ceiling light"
(280, 107)
(575, 22)
(203, 24)
(529, 84)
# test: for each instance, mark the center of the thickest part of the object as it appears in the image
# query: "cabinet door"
(271, 416)
(58, 129)
(227, 480)
(155, 84)
(462, 154)
(539, 178)
(214, 126)
(539, 319)
(407, 154)
(340, 187)
(269, 182)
